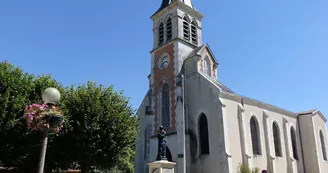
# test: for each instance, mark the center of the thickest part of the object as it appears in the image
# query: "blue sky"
(273, 51)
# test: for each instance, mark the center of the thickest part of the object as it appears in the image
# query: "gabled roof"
(199, 50)
(312, 112)
(223, 87)
(306, 112)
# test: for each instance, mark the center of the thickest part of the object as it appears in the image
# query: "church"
(210, 128)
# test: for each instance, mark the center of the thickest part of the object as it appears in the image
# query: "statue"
(161, 144)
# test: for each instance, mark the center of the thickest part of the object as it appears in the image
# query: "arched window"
(203, 132)
(166, 106)
(276, 139)
(186, 28)
(168, 29)
(207, 66)
(194, 33)
(161, 33)
(323, 146)
(294, 144)
(256, 144)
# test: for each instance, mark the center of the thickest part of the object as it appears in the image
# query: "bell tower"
(177, 31)
(177, 19)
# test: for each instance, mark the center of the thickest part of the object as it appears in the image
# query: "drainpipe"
(181, 128)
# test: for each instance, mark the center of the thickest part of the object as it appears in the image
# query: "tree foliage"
(18, 146)
(101, 127)
(99, 132)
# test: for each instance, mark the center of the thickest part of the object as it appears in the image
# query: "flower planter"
(41, 117)
(54, 120)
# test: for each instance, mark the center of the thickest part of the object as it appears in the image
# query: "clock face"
(164, 62)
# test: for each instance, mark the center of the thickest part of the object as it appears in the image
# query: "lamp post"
(50, 96)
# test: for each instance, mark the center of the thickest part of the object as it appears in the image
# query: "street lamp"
(50, 96)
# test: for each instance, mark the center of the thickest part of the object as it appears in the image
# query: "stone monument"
(161, 165)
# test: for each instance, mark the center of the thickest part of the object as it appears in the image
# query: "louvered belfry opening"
(168, 29)
(186, 28)
(161, 34)
(194, 33)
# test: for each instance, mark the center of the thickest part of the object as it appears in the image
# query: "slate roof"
(199, 50)
(223, 87)
(306, 112)
(165, 3)
(195, 51)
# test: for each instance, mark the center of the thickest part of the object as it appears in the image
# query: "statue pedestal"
(161, 166)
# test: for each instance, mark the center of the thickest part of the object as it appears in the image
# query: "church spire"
(166, 3)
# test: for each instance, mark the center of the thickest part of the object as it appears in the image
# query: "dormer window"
(186, 28)
(161, 34)
(168, 29)
(207, 66)
(194, 33)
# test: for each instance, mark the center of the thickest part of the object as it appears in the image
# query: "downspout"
(184, 121)
(181, 130)
(184, 99)
(299, 131)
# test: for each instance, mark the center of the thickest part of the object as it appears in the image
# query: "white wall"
(319, 124)
(144, 121)
(203, 98)
(239, 136)
(181, 51)
(308, 141)
(231, 110)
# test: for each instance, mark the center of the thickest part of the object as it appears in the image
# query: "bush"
(243, 168)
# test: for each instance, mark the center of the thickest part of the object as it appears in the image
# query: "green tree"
(18, 146)
(99, 133)
(101, 130)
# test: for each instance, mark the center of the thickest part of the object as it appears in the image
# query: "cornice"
(252, 102)
(171, 41)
